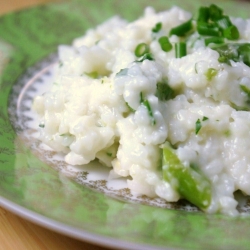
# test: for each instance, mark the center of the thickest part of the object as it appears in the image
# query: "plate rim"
(71, 231)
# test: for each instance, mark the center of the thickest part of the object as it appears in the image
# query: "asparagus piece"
(191, 185)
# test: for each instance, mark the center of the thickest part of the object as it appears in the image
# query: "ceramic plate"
(81, 202)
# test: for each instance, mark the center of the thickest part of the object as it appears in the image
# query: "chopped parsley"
(130, 108)
(148, 106)
(164, 92)
(141, 97)
(198, 124)
(150, 112)
(157, 27)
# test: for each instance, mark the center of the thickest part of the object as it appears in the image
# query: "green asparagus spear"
(191, 185)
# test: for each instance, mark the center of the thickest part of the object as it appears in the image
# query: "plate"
(35, 190)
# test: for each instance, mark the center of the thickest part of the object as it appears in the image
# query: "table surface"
(15, 232)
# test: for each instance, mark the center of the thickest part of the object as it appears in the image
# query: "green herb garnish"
(208, 29)
(203, 14)
(130, 108)
(224, 22)
(164, 92)
(109, 154)
(182, 29)
(150, 112)
(180, 49)
(157, 27)
(141, 49)
(212, 22)
(141, 97)
(214, 39)
(198, 124)
(231, 33)
(148, 106)
(165, 44)
(237, 52)
(215, 12)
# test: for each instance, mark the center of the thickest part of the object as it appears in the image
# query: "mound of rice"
(105, 103)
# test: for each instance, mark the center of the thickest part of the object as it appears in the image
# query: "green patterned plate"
(33, 189)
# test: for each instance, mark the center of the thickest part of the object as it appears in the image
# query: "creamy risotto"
(163, 100)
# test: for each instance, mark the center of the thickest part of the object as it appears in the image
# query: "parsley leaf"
(157, 27)
(164, 92)
(198, 124)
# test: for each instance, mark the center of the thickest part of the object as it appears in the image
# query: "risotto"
(163, 100)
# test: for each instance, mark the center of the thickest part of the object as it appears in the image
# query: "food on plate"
(163, 100)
